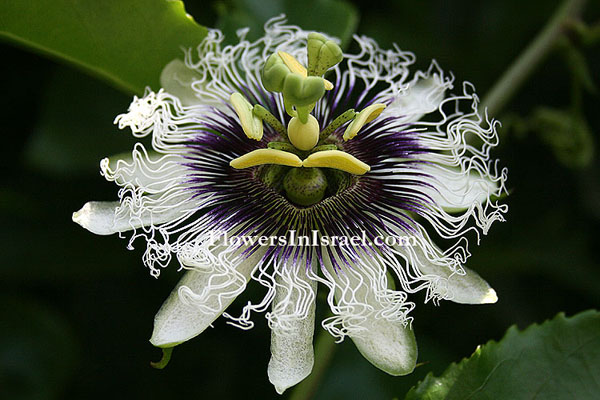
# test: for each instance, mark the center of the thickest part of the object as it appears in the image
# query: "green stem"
(324, 349)
(506, 87)
(166, 357)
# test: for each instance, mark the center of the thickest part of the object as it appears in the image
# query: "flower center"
(304, 165)
(304, 186)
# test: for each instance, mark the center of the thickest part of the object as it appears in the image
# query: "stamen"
(283, 146)
(338, 160)
(291, 62)
(365, 116)
(251, 124)
(324, 147)
(270, 119)
(266, 156)
(336, 123)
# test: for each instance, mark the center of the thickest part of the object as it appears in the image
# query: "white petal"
(456, 190)
(108, 217)
(424, 95)
(178, 321)
(467, 288)
(292, 354)
(380, 335)
(388, 345)
(151, 171)
(191, 87)
(176, 78)
(99, 217)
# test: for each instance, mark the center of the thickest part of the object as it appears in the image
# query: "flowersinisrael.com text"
(314, 239)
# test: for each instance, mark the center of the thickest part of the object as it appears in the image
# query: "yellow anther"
(338, 160)
(251, 124)
(266, 156)
(365, 116)
(295, 66)
(291, 62)
(304, 136)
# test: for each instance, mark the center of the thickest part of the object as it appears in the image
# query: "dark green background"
(76, 310)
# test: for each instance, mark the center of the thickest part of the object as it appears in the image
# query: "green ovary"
(305, 186)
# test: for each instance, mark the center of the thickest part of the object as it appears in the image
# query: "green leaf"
(72, 135)
(567, 133)
(337, 18)
(126, 42)
(559, 359)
